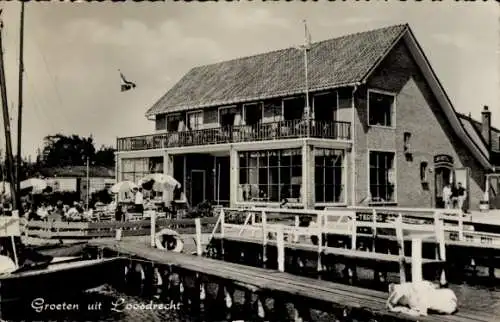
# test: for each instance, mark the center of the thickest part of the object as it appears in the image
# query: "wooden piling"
(401, 248)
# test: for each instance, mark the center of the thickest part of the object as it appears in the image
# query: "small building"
(380, 130)
(74, 179)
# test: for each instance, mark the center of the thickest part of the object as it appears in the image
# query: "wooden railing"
(283, 226)
(87, 230)
(458, 228)
(245, 133)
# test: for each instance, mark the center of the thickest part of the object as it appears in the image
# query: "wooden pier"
(346, 302)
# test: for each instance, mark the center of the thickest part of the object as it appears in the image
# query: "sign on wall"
(443, 159)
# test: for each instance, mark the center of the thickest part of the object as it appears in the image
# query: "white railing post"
(197, 223)
(280, 244)
(353, 231)
(401, 248)
(295, 233)
(222, 223)
(153, 228)
(320, 240)
(374, 229)
(416, 260)
(440, 245)
(264, 237)
(461, 228)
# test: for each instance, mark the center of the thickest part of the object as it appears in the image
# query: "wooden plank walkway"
(258, 279)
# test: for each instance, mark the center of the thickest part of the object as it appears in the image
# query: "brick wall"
(417, 112)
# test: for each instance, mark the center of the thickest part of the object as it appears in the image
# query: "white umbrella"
(160, 181)
(123, 186)
(34, 183)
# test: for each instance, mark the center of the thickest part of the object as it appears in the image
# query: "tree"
(60, 150)
(105, 156)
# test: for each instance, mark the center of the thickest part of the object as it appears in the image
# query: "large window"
(382, 176)
(271, 175)
(227, 115)
(329, 176)
(293, 108)
(137, 168)
(173, 121)
(380, 108)
(195, 120)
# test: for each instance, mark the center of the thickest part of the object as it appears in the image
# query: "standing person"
(461, 195)
(139, 201)
(454, 196)
(119, 213)
(447, 196)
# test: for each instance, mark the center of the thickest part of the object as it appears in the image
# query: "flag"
(126, 85)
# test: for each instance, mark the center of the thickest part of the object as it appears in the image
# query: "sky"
(73, 52)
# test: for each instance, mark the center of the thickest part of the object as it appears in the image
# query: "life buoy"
(168, 239)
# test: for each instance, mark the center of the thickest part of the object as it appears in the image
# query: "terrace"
(284, 129)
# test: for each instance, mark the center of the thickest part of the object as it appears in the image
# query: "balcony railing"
(337, 130)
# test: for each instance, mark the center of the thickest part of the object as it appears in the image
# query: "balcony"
(292, 129)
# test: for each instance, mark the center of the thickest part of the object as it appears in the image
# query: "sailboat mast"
(6, 124)
(20, 102)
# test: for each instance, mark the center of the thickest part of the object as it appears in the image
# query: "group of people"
(59, 212)
(454, 196)
(178, 202)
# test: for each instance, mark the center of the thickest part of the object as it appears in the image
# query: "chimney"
(486, 125)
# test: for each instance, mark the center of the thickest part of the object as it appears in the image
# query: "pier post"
(264, 238)
(153, 228)
(441, 246)
(401, 248)
(461, 227)
(374, 229)
(197, 223)
(320, 242)
(416, 260)
(295, 234)
(280, 244)
(353, 232)
(222, 223)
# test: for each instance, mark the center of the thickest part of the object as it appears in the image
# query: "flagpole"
(306, 48)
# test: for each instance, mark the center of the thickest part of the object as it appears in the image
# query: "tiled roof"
(473, 128)
(332, 63)
(78, 172)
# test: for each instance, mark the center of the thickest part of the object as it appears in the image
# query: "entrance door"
(443, 176)
(197, 187)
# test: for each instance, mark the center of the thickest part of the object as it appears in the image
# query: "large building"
(381, 129)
